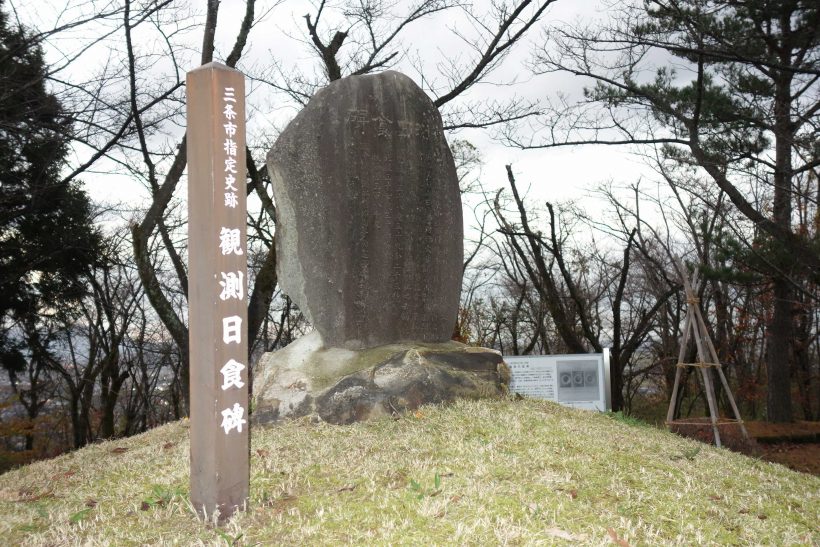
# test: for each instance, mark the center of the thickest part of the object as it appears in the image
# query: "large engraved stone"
(369, 226)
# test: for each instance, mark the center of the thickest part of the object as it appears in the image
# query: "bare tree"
(128, 110)
(739, 106)
(583, 292)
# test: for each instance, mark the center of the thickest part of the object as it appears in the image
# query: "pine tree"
(736, 95)
(757, 62)
(47, 239)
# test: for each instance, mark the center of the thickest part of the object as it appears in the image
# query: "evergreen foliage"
(727, 92)
(47, 239)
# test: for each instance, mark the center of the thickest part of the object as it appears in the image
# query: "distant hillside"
(489, 472)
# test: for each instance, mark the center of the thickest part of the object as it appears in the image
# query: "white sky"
(555, 175)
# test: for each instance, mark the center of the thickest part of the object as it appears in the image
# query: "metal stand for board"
(695, 327)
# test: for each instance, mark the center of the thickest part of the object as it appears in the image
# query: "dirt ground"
(795, 445)
(803, 457)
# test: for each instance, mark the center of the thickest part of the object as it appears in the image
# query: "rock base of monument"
(342, 386)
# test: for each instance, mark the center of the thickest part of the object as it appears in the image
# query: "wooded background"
(718, 99)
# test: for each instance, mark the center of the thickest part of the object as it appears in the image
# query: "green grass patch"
(475, 472)
(627, 419)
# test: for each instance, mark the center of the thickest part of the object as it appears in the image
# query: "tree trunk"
(616, 377)
(107, 419)
(778, 370)
(109, 404)
(29, 437)
(779, 401)
(801, 347)
(78, 425)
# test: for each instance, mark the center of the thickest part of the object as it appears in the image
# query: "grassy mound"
(490, 472)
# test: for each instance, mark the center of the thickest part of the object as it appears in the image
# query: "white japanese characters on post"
(220, 441)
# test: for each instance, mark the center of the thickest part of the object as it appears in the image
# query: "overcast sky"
(559, 174)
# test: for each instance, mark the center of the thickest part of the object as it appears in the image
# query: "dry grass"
(474, 473)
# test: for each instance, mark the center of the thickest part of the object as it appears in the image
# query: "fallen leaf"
(455, 499)
(262, 453)
(573, 494)
(144, 506)
(615, 539)
(762, 517)
(347, 488)
(27, 495)
(63, 475)
(166, 446)
(283, 503)
(90, 502)
(715, 497)
(118, 450)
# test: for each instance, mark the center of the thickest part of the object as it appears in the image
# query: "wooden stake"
(707, 358)
(217, 291)
(670, 414)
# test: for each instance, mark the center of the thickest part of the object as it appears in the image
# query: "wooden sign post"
(217, 290)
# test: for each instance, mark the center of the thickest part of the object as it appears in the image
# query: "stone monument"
(370, 247)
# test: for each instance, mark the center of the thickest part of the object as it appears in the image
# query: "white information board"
(579, 380)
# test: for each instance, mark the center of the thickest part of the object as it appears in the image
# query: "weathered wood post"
(695, 328)
(217, 281)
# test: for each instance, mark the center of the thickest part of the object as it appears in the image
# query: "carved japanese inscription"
(217, 246)
(369, 224)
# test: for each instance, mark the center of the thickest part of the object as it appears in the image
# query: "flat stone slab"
(369, 231)
(382, 381)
